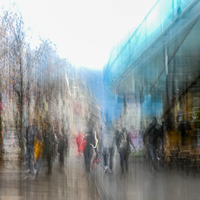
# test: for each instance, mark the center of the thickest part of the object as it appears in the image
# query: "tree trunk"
(1, 139)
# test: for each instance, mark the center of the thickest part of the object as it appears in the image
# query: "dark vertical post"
(1, 138)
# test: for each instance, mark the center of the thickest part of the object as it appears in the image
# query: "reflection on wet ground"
(72, 183)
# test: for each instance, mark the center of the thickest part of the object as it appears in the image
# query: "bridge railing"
(155, 23)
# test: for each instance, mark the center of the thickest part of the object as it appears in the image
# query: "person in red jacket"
(79, 139)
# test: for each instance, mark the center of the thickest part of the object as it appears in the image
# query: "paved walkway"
(138, 184)
(74, 183)
(71, 184)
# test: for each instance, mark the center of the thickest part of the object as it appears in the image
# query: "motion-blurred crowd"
(98, 143)
(44, 143)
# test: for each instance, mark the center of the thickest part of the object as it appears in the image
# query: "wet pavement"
(72, 183)
(139, 184)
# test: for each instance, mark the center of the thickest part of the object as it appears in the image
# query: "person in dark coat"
(88, 151)
(31, 132)
(61, 148)
(151, 135)
(49, 139)
(183, 126)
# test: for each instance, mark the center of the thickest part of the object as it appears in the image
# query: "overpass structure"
(160, 61)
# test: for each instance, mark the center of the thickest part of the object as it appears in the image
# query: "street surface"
(139, 184)
(74, 183)
(71, 184)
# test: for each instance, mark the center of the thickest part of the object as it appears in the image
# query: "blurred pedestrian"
(88, 150)
(31, 131)
(39, 153)
(109, 141)
(184, 126)
(61, 148)
(79, 140)
(98, 139)
(95, 157)
(50, 144)
(66, 141)
(150, 138)
(124, 144)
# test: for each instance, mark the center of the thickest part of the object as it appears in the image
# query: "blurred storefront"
(158, 65)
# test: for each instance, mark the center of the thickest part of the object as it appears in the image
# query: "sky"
(84, 31)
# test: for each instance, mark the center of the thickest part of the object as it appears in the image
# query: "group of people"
(101, 142)
(43, 144)
(111, 137)
(119, 138)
